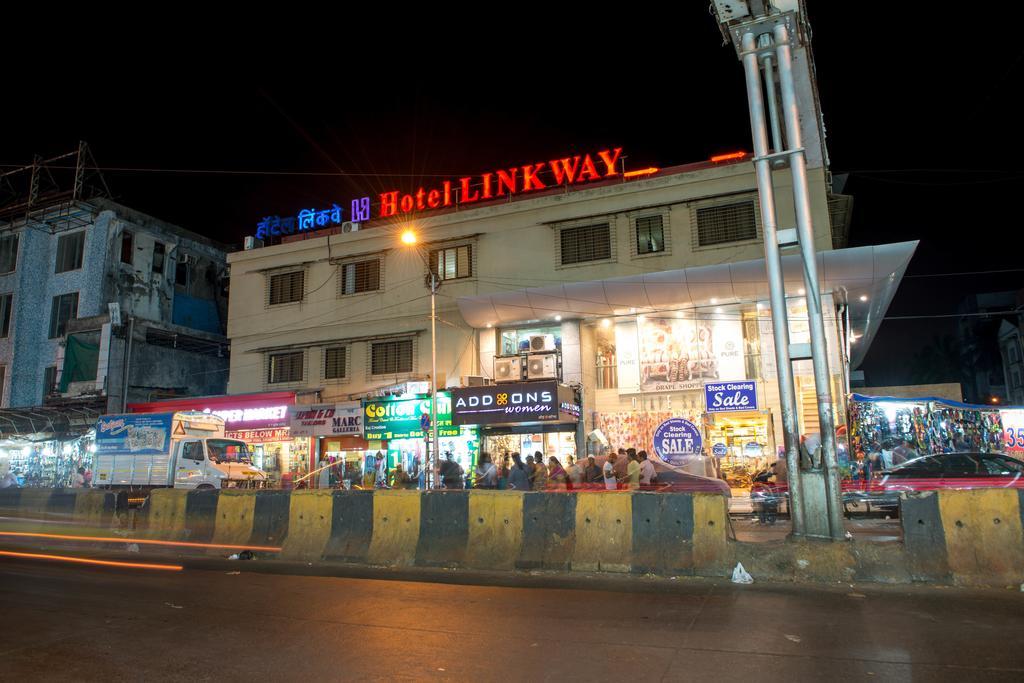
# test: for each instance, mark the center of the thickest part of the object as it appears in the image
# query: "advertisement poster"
(682, 354)
(730, 397)
(137, 434)
(676, 440)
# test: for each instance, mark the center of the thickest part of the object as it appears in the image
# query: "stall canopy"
(865, 277)
(49, 422)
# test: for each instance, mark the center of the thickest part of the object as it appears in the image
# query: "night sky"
(917, 111)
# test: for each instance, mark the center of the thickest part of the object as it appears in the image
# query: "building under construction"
(100, 305)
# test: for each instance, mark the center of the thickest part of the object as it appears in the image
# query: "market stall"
(931, 425)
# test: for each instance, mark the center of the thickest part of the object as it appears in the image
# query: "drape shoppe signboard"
(513, 403)
(677, 354)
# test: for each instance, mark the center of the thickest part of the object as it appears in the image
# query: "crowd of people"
(625, 469)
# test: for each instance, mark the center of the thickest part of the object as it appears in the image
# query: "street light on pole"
(409, 238)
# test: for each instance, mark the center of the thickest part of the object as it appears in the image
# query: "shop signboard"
(730, 397)
(676, 440)
(145, 434)
(399, 418)
(274, 435)
(1013, 431)
(326, 419)
(514, 403)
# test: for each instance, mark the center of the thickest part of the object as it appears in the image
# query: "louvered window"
(284, 367)
(287, 287)
(650, 235)
(361, 276)
(726, 223)
(391, 357)
(586, 243)
(334, 363)
(453, 263)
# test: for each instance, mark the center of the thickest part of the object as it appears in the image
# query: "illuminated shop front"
(337, 429)
(521, 417)
(260, 420)
(649, 347)
(398, 431)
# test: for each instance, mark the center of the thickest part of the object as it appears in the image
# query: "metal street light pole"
(434, 460)
(433, 282)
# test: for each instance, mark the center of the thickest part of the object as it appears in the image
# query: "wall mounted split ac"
(542, 342)
(350, 226)
(542, 366)
(508, 369)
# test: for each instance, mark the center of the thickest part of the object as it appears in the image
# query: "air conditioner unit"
(541, 365)
(475, 381)
(508, 369)
(186, 258)
(252, 243)
(350, 226)
(542, 342)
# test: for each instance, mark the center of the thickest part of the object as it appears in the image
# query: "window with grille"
(287, 287)
(334, 363)
(8, 253)
(586, 243)
(127, 247)
(6, 301)
(726, 223)
(453, 263)
(391, 357)
(284, 367)
(70, 249)
(159, 253)
(650, 234)
(361, 276)
(65, 308)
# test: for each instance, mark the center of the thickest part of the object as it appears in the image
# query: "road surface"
(61, 622)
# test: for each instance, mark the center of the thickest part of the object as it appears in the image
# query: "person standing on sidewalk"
(611, 481)
(540, 477)
(518, 476)
(647, 472)
(633, 471)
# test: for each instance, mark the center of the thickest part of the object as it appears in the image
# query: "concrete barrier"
(351, 527)
(495, 529)
(950, 537)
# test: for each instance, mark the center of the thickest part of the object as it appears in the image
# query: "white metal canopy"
(865, 278)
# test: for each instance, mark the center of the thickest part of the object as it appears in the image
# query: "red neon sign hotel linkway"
(507, 181)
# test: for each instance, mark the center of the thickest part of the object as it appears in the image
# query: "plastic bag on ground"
(740, 575)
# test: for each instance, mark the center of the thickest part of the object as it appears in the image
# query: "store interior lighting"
(863, 297)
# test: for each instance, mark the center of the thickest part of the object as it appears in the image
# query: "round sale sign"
(677, 439)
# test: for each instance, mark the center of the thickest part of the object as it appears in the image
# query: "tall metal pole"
(434, 460)
(773, 106)
(776, 285)
(805, 234)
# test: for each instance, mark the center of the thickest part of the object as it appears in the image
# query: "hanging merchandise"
(931, 425)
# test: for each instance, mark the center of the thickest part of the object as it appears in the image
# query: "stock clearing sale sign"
(676, 440)
(730, 397)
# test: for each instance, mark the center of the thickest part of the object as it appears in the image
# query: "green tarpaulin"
(80, 360)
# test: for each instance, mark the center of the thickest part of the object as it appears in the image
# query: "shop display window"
(518, 341)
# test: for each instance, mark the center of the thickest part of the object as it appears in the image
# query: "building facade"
(79, 280)
(642, 293)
